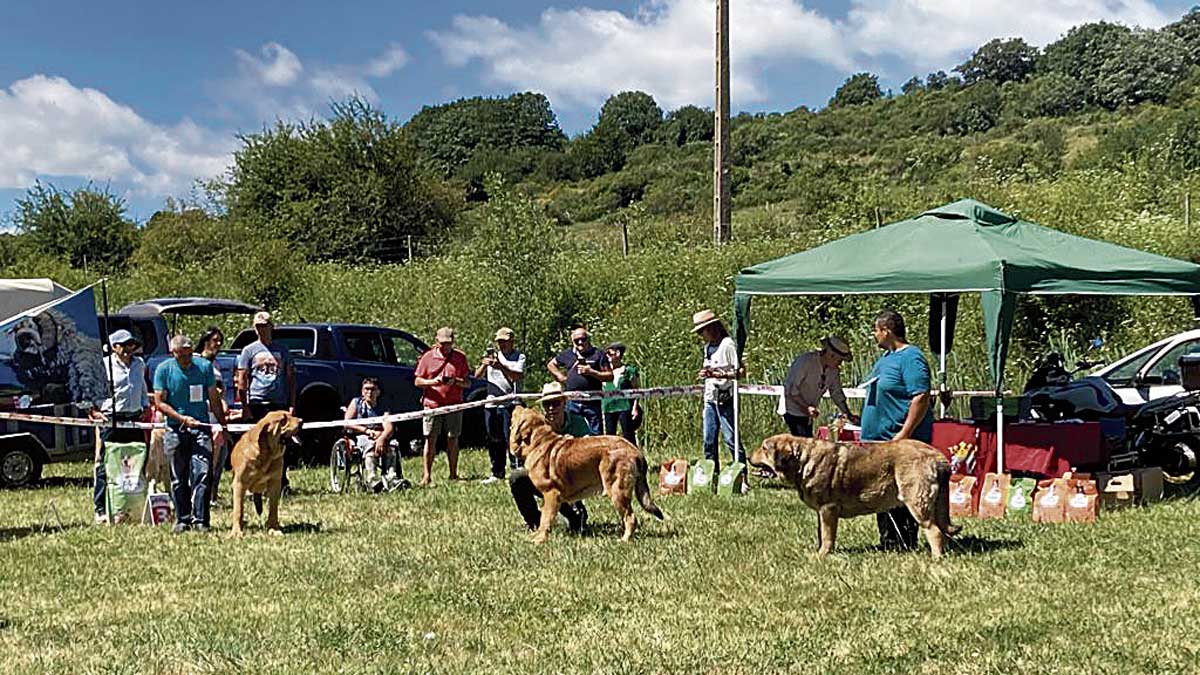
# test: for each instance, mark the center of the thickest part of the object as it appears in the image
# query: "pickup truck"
(331, 361)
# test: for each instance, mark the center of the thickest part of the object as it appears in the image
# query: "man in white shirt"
(810, 376)
(504, 368)
(129, 401)
(720, 374)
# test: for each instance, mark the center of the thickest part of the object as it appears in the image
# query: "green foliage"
(688, 124)
(1083, 51)
(86, 227)
(1187, 29)
(858, 89)
(349, 188)
(999, 61)
(631, 117)
(233, 258)
(451, 135)
(1146, 68)
(1050, 95)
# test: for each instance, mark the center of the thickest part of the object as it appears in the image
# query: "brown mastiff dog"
(258, 466)
(567, 469)
(843, 480)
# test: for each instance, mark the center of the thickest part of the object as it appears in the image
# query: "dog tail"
(942, 501)
(643, 489)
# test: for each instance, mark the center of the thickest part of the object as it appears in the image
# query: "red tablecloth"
(1048, 450)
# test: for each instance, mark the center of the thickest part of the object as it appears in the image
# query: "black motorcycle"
(1165, 432)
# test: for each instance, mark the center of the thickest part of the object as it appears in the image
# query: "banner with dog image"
(52, 353)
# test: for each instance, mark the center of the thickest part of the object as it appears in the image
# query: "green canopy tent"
(965, 247)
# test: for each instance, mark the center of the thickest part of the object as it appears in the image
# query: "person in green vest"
(524, 494)
(621, 412)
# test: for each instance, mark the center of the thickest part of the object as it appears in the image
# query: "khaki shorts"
(436, 425)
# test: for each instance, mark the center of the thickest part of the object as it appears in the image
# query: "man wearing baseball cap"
(504, 368)
(442, 374)
(128, 403)
(265, 377)
(811, 375)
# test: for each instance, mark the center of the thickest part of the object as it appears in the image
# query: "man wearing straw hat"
(524, 494)
(719, 373)
(809, 377)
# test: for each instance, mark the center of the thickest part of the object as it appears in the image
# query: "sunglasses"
(580, 341)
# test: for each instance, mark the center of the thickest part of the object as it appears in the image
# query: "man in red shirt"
(442, 375)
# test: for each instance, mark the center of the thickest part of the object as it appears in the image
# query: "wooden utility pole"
(721, 202)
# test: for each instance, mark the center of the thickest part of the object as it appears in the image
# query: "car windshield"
(1124, 373)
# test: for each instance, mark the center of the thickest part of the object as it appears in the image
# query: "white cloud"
(279, 67)
(280, 86)
(580, 56)
(49, 127)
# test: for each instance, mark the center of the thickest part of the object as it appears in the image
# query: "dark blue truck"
(331, 361)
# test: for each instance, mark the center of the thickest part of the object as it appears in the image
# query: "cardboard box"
(701, 479)
(732, 478)
(672, 477)
(1116, 491)
(1147, 486)
(994, 495)
(962, 498)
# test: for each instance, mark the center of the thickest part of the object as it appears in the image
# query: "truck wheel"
(19, 467)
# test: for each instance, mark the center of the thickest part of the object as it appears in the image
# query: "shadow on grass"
(615, 530)
(15, 533)
(962, 545)
(304, 528)
(56, 482)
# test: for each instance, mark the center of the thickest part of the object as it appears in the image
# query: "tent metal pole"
(999, 433)
(737, 421)
(942, 359)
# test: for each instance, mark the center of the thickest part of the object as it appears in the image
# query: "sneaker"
(200, 527)
(489, 480)
(401, 484)
(101, 519)
(180, 528)
(377, 485)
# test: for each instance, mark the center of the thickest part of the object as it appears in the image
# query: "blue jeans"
(590, 412)
(721, 415)
(191, 462)
(622, 420)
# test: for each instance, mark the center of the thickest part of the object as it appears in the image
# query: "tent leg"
(942, 361)
(999, 434)
(737, 423)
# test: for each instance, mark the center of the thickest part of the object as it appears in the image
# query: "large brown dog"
(258, 465)
(567, 469)
(842, 480)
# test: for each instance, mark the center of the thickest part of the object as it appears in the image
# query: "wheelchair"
(347, 466)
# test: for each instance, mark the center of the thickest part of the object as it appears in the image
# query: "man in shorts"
(442, 374)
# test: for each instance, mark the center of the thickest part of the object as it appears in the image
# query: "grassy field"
(445, 580)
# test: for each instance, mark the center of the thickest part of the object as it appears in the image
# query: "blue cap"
(122, 336)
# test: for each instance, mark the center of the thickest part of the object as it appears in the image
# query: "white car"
(1151, 372)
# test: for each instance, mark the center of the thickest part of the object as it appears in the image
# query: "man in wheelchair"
(374, 442)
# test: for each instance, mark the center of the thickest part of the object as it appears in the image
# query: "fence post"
(409, 259)
(1187, 212)
(625, 237)
(878, 217)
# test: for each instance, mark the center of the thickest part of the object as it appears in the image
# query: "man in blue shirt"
(897, 407)
(185, 392)
(127, 403)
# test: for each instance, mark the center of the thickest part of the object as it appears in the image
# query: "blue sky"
(146, 97)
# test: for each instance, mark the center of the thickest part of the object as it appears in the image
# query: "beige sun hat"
(445, 334)
(552, 391)
(703, 318)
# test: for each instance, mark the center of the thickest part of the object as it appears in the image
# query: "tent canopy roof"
(969, 246)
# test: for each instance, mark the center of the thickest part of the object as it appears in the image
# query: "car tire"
(19, 467)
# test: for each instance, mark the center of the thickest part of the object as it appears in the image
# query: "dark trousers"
(799, 425)
(897, 529)
(99, 472)
(191, 463)
(525, 495)
(498, 421)
(624, 420)
(590, 412)
(259, 410)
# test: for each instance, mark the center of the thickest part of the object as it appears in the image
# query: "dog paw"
(275, 531)
(236, 534)
(539, 538)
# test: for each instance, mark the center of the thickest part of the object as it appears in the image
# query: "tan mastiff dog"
(258, 466)
(843, 480)
(568, 469)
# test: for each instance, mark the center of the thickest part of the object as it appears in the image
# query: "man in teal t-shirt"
(185, 391)
(897, 407)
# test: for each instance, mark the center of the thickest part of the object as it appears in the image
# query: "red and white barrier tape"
(648, 393)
